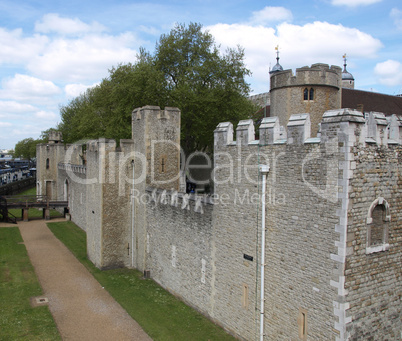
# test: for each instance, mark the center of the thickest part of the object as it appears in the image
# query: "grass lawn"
(18, 282)
(160, 314)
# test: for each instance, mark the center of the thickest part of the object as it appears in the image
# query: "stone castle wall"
(108, 218)
(308, 219)
(373, 268)
(48, 157)
(71, 182)
(179, 251)
(322, 279)
(372, 278)
(156, 138)
(300, 235)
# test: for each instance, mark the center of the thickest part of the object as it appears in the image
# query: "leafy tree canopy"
(26, 148)
(186, 71)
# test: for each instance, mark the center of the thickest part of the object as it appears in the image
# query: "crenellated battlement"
(55, 136)
(377, 129)
(317, 74)
(101, 145)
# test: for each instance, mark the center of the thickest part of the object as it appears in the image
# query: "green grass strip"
(160, 314)
(18, 282)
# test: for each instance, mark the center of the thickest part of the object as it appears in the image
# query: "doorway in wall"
(49, 189)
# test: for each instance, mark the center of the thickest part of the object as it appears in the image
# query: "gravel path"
(81, 308)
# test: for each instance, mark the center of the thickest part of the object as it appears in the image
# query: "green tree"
(207, 87)
(186, 71)
(26, 148)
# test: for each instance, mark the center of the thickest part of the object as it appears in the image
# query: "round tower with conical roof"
(347, 78)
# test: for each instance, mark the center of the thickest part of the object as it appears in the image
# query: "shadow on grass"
(160, 314)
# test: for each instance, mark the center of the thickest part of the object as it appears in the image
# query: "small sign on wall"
(248, 257)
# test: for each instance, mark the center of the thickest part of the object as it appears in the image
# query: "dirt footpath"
(81, 308)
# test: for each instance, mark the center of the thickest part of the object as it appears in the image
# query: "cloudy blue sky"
(50, 51)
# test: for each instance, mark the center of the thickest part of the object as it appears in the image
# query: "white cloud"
(271, 14)
(5, 124)
(65, 58)
(354, 3)
(46, 115)
(27, 130)
(299, 45)
(396, 15)
(52, 22)
(23, 87)
(149, 30)
(74, 90)
(389, 72)
(324, 42)
(87, 58)
(15, 48)
(9, 107)
(258, 43)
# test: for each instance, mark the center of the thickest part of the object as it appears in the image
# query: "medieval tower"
(313, 90)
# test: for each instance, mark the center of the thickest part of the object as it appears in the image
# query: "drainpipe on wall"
(264, 169)
(132, 218)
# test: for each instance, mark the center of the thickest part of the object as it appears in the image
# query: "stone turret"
(312, 90)
(55, 137)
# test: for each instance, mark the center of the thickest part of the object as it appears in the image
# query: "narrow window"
(162, 164)
(378, 219)
(377, 227)
(303, 326)
(305, 94)
(302, 322)
(47, 163)
(311, 94)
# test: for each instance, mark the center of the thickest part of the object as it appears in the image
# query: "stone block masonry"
(332, 220)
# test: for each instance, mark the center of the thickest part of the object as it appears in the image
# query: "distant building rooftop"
(371, 101)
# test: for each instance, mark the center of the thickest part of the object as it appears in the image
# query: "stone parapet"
(376, 130)
(317, 74)
(270, 130)
(72, 168)
(299, 127)
(245, 132)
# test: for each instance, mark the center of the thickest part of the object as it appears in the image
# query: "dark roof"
(277, 67)
(346, 76)
(371, 101)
